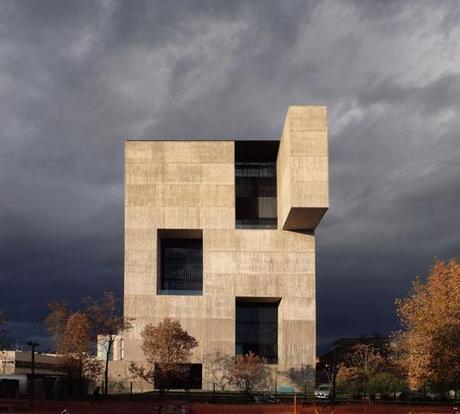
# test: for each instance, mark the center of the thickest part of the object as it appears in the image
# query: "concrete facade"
(190, 185)
(19, 363)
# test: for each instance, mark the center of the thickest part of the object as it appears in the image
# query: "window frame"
(165, 236)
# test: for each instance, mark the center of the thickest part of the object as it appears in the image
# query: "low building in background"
(16, 366)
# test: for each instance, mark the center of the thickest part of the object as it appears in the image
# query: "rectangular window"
(257, 328)
(181, 265)
(255, 184)
(189, 377)
(121, 350)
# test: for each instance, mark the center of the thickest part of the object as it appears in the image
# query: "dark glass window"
(255, 184)
(181, 266)
(189, 378)
(257, 329)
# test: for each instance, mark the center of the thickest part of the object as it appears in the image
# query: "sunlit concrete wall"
(302, 168)
(191, 185)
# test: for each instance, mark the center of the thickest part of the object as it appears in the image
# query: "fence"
(351, 408)
(181, 407)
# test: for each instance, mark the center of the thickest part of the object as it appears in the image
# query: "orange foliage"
(72, 340)
(167, 348)
(360, 367)
(247, 371)
(106, 319)
(430, 338)
(56, 322)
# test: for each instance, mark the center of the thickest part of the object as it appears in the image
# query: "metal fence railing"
(352, 408)
(183, 407)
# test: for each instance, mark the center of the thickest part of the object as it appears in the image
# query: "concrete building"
(116, 352)
(220, 235)
(19, 362)
(16, 366)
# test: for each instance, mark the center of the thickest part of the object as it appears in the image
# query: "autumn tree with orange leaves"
(247, 372)
(75, 334)
(76, 346)
(366, 370)
(361, 365)
(168, 349)
(106, 319)
(72, 341)
(429, 342)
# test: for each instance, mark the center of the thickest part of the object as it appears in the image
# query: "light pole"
(276, 384)
(335, 370)
(32, 345)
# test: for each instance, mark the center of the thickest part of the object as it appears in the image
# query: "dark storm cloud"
(77, 77)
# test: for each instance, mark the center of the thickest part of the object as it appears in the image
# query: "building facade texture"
(220, 235)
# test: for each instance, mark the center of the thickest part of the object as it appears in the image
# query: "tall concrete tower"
(220, 235)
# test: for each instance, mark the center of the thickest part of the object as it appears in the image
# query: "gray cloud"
(77, 77)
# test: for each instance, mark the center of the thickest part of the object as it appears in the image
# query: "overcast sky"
(78, 77)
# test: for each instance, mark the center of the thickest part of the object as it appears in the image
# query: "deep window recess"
(189, 377)
(255, 184)
(181, 264)
(257, 329)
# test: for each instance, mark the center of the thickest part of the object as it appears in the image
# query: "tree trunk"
(80, 379)
(106, 371)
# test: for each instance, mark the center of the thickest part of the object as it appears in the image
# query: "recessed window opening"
(255, 184)
(257, 328)
(180, 262)
(189, 377)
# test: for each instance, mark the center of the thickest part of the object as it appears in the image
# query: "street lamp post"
(33, 346)
(276, 384)
(335, 370)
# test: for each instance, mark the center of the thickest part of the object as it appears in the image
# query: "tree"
(168, 349)
(106, 319)
(390, 378)
(72, 341)
(304, 378)
(360, 367)
(218, 366)
(387, 382)
(56, 323)
(76, 339)
(3, 333)
(430, 336)
(76, 346)
(247, 371)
